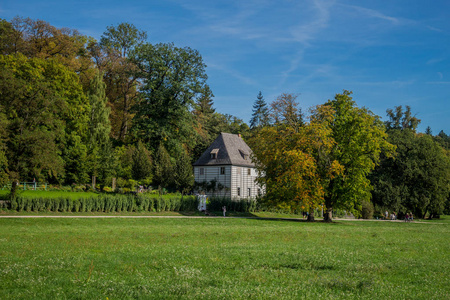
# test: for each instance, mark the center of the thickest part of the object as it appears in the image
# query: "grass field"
(215, 258)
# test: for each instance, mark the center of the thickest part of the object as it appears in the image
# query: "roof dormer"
(243, 154)
(214, 153)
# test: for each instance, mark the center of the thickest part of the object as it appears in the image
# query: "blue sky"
(388, 53)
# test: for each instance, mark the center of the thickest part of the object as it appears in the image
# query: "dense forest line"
(72, 107)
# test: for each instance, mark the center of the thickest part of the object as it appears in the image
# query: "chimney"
(239, 135)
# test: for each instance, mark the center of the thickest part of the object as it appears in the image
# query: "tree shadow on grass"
(249, 215)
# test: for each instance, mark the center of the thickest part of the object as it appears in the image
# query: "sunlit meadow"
(214, 258)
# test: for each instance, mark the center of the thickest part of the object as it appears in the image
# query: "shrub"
(238, 205)
(367, 210)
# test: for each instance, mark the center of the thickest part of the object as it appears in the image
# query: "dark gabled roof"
(232, 150)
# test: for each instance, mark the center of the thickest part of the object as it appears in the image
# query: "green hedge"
(241, 205)
(106, 203)
(129, 203)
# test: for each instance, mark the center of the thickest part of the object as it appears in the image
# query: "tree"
(399, 119)
(46, 110)
(228, 123)
(285, 110)
(359, 138)
(443, 139)
(142, 162)
(122, 38)
(120, 73)
(163, 168)
(39, 39)
(183, 175)
(98, 143)
(260, 116)
(296, 161)
(4, 176)
(204, 121)
(418, 178)
(172, 80)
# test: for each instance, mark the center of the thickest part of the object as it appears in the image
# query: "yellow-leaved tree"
(324, 161)
(294, 160)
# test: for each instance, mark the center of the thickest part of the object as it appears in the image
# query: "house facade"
(225, 169)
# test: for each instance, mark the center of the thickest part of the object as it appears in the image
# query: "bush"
(367, 210)
(241, 205)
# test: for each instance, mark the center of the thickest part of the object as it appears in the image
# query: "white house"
(227, 163)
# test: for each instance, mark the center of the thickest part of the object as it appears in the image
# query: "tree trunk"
(310, 216)
(328, 217)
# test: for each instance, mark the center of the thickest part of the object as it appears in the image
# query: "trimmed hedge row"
(242, 205)
(128, 203)
(106, 203)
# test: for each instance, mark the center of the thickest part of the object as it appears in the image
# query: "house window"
(222, 170)
(249, 171)
(202, 171)
(249, 192)
(239, 191)
(213, 155)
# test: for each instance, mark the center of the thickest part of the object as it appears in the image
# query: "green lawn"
(222, 258)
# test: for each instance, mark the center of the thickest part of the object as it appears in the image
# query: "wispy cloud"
(374, 14)
(238, 75)
(434, 28)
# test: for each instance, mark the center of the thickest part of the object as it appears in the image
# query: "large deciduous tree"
(172, 80)
(359, 138)
(111, 56)
(285, 110)
(37, 38)
(295, 162)
(417, 179)
(324, 161)
(47, 111)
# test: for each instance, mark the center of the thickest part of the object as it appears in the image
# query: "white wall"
(235, 177)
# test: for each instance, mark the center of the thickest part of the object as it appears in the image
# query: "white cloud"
(374, 14)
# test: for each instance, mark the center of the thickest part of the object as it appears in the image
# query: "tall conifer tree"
(260, 116)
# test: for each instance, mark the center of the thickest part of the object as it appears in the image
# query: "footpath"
(207, 217)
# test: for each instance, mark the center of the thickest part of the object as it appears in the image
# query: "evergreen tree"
(163, 168)
(260, 116)
(184, 176)
(142, 162)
